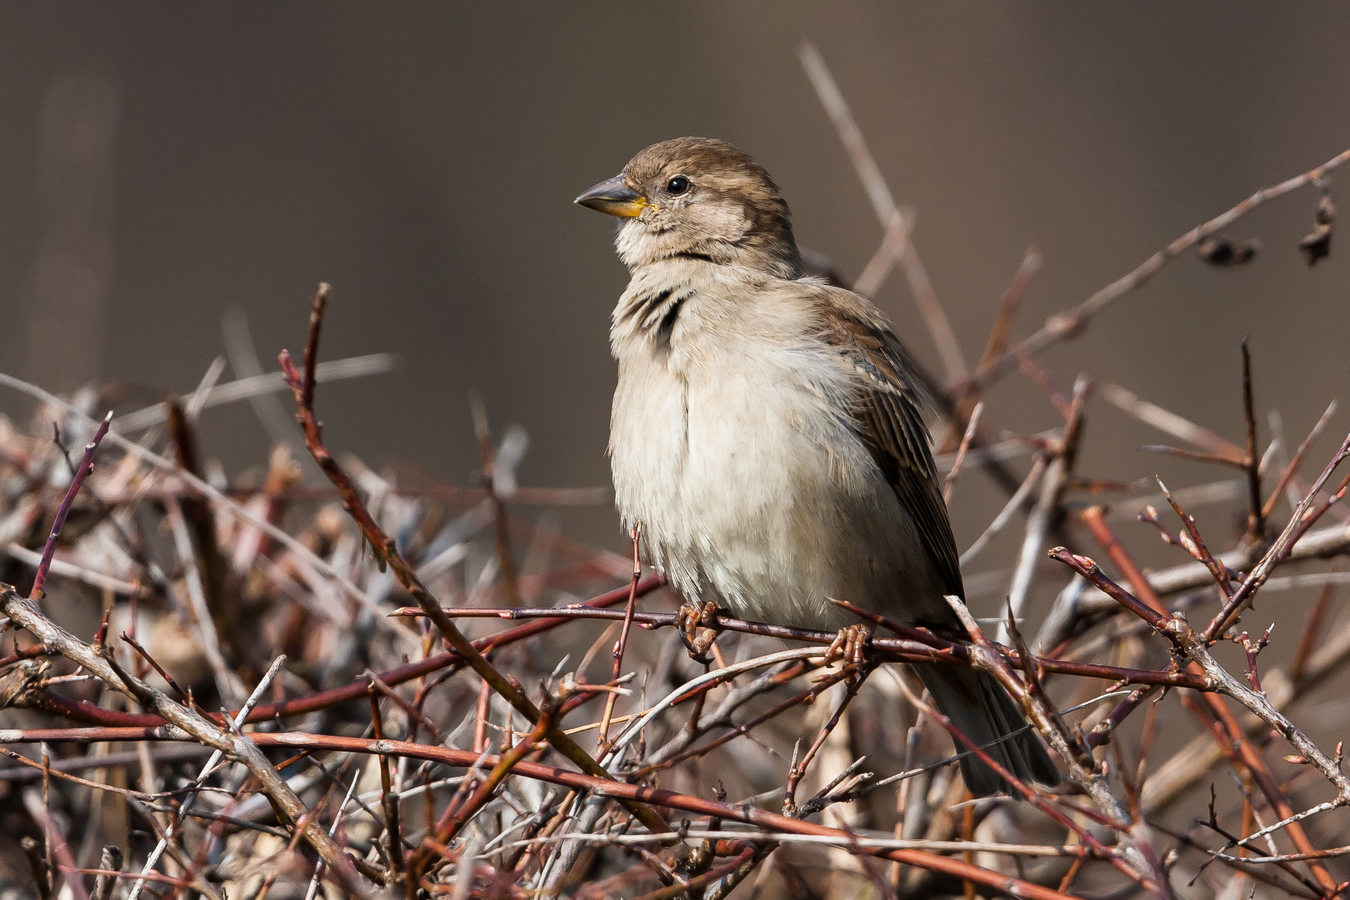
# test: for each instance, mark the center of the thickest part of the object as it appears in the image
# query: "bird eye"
(678, 185)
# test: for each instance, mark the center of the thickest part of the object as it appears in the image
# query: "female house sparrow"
(766, 429)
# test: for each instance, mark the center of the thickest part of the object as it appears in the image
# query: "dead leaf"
(1219, 250)
(1317, 243)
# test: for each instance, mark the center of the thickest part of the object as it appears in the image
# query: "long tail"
(984, 712)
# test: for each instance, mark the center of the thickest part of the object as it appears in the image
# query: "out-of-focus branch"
(888, 213)
(220, 497)
(1291, 469)
(1071, 323)
(1046, 514)
(965, 400)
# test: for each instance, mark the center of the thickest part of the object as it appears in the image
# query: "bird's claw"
(698, 628)
(853, 646)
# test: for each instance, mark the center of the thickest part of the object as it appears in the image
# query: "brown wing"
(887, 412)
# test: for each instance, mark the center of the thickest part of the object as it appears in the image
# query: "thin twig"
(1256, 520)
(210, 765)
(389, 800)
(883, 204)
(971, 426)
(1291, 469)
(220, 497)
(54, 537)
(602, 740)
(1047, 511)
(1280, 549)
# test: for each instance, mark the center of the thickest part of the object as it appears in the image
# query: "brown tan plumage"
(767, 429)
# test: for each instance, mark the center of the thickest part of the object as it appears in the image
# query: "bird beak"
(614, 197)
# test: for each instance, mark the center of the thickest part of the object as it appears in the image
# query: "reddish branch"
(387, 551)
(1303, 518)
(183, 722)
(49, 549)
(1189, 645)
(1088, 568)
(457, 818)
(1232, 738)
(919, 646)
(84, 711)
(1194, 543)
(1140, 861)
(622, 791)
(602, 742)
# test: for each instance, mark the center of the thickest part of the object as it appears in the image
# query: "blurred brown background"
(164, 163)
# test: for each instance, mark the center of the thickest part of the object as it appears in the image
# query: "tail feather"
(983, 711)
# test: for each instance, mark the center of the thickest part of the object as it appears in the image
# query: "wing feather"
(888, 413)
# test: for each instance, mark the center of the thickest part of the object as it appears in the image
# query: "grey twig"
(239, 719)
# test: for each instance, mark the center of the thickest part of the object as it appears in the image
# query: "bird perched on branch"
(766, 430)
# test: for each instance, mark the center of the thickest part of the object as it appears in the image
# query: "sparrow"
(767, 430)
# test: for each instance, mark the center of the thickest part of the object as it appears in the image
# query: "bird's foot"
(698, 628)
(853, 646)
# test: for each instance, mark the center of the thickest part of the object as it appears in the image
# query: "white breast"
(731, 445)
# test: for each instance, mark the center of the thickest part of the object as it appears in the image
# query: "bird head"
(700, 199)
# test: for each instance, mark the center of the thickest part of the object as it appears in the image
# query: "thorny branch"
(388, 553)
(451, 814)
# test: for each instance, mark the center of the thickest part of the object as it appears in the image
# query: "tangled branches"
(355, 687)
